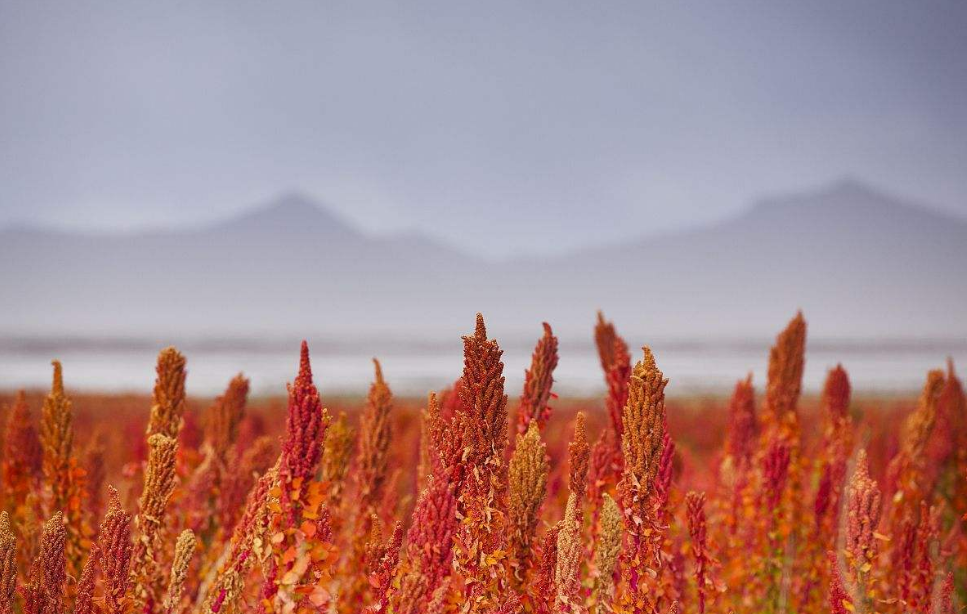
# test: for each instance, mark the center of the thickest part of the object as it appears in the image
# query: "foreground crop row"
(761, 503)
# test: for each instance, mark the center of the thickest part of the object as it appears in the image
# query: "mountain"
(860, 263)
(857, 261)
(286, 266)
(288, 214)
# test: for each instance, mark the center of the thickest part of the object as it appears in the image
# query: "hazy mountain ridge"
(852, 258)
(857, 261)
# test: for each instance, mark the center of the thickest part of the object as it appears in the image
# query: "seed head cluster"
(775, 501)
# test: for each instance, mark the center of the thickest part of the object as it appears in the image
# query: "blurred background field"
(699, 423)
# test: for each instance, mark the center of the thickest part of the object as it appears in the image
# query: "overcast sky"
(503, 127)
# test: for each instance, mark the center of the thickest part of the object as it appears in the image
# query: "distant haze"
(860, 263)
(499, 128)
(881, 282)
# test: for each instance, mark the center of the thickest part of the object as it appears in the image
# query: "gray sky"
(503, 127)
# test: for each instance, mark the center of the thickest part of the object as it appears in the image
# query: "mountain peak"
(293, 203)
(290, 212)
(851, 188)
(848, 208)
(847, 197)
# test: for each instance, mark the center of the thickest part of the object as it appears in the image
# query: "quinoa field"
(481, 500)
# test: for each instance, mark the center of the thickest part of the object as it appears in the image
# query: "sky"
(502, 127)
